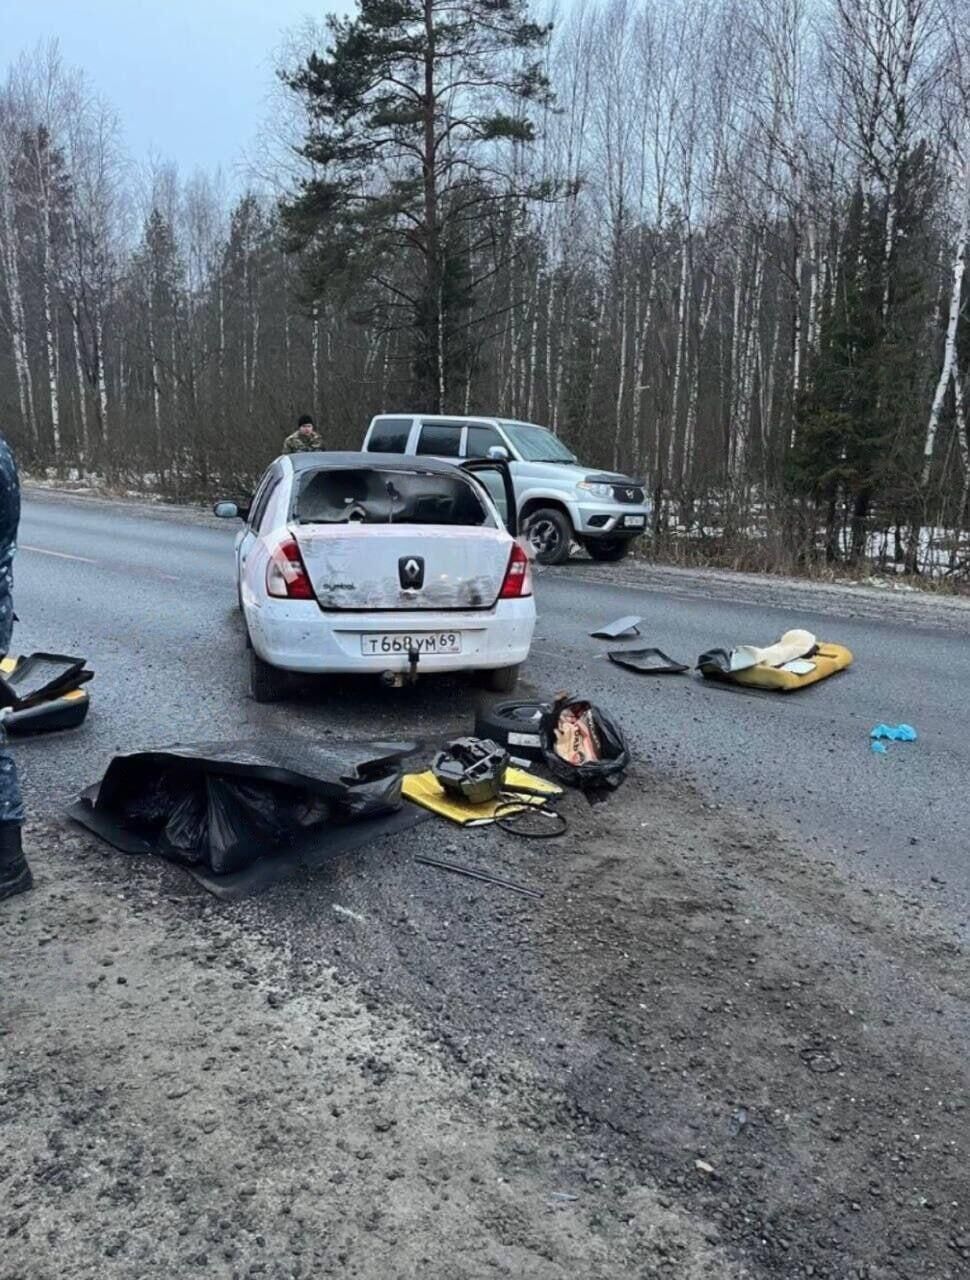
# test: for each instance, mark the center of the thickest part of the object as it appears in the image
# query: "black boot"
(15, 875)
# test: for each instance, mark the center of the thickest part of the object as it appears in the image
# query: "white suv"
(558, 500)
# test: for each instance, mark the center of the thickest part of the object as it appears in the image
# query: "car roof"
(323, 460)
(462, 419)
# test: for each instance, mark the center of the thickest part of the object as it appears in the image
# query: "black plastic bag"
(223, 806)
(246, 821)
(595, 777)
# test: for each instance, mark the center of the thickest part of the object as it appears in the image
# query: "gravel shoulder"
(701, 1054)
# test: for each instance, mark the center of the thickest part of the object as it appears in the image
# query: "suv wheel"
(550, 535)
(266, 683)
(608, 550)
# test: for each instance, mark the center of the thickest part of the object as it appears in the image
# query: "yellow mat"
(425, 790)
(829, 659)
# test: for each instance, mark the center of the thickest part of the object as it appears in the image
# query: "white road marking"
(346, 911)
(61, 555)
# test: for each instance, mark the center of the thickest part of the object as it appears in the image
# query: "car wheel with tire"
(499, 679)
(608, 550)
(550, 535)
(266, 683)
(512, 724)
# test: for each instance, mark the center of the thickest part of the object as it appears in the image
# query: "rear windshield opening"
(388, 497)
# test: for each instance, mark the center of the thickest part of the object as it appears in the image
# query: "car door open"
(494, 476)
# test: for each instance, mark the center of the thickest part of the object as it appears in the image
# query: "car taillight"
(518, 576)
(286, 576)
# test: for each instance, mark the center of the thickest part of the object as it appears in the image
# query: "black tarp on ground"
(226, 809)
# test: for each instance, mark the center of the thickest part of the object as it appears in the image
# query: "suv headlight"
(595, 490)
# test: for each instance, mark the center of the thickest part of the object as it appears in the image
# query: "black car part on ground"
(513, 723)
(39, 677)
(474, 874)
(648, 662)
(471, 769)
(58, 714)
(596, 777)
(520, 820)
(629, 626)
(219, 807)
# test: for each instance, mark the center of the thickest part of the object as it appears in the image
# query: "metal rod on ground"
(479, 875)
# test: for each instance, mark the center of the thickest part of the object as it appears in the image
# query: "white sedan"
(382, 563)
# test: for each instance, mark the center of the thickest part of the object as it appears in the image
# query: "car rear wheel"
(608, 550)
(266, 683)
(550, 535)
(500, 680)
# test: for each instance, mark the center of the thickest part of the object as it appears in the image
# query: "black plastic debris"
(592, 731)
(472, 873)
(471, 769)
(42, 693)
(619, 629)
(648, 662)
(40, 677)
(715, 664)
(218, 808)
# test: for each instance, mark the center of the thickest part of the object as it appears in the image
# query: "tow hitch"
(398, 679)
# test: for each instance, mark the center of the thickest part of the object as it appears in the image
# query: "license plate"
(405, 642)
(634, 522)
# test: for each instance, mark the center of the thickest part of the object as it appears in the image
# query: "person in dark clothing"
(304, 439)
(15, 874)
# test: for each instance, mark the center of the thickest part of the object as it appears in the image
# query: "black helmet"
(471, 769)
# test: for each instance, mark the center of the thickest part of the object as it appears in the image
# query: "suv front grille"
(628, 493)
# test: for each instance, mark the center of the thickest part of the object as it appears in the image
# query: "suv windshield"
(371, 496)
(536, 444)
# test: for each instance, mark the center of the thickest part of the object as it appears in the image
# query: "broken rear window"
(372, 496)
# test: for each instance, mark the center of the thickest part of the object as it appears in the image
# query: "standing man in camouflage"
(304, 439)
(14, 873)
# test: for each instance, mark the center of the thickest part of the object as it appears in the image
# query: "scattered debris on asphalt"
(533, 822)
(514, 724)
(43, 693)
(618, 630)
(220, 808)
(474, 874)
(647, 662)
(793, 662)
(883, 733)
(471, 770)
(521, 789)
(583, 746)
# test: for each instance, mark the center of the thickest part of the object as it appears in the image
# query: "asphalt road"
(148, 597)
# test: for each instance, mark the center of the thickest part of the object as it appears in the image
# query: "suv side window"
(442, 439)
(390, 435)
(261, 501)
(481, 438)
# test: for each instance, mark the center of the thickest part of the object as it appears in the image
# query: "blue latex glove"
(895, 733)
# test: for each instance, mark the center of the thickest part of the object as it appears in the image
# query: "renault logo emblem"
(411, 572)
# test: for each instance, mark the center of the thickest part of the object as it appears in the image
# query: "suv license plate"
(634, 522)
(402, 643)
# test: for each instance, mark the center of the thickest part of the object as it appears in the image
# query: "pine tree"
(411, 108)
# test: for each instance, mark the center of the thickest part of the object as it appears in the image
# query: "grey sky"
(189, 78)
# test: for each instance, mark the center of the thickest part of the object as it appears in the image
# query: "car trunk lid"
(359, 566)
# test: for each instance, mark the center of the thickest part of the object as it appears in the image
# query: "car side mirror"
(498, 453)
(227, 511)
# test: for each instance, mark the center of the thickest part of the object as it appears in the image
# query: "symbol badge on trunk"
(411, 572)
